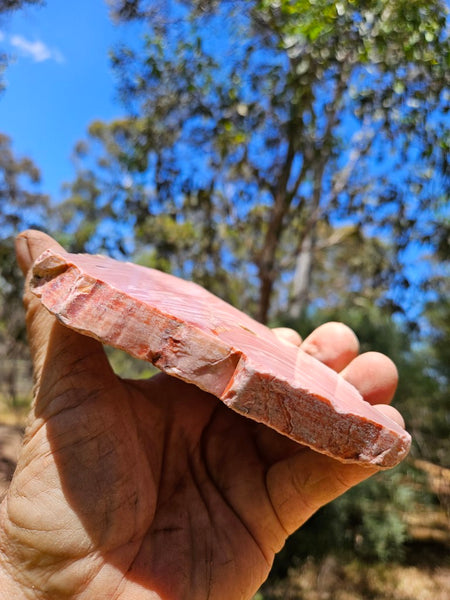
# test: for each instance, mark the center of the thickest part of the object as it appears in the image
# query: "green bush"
(367, 522)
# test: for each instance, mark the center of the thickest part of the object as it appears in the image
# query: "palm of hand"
(161, 486)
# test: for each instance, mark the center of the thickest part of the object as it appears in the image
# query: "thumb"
(40, 323)
(55, 349)
(306, 481)
(30, 244)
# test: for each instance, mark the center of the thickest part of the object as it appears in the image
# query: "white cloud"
(37, 51)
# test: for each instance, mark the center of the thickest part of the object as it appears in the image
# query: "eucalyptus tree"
(253, 127)
(21, 206)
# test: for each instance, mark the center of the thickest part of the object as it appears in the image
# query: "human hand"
(147, 490)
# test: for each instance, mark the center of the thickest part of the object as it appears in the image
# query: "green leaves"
(22, 204)
(281, 120)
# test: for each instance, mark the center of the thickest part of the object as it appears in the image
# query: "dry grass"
(329, 579)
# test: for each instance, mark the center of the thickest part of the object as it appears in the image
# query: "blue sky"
(57, 82)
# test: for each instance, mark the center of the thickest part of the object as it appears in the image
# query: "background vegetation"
(292, 157)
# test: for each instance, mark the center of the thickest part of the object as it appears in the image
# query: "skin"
(145, 490)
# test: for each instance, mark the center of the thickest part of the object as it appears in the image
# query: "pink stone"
(189, 333)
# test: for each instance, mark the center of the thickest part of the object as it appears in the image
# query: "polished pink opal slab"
(188, 332)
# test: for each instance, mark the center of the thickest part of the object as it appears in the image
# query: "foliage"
(429, 416)
(127, 366)
(115, 206)
(20, 203)
(22, 206)
(367, 522)
(270, 122)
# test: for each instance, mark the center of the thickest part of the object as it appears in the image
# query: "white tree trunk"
(302, 276)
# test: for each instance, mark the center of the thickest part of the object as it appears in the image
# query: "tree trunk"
(267, 271)
(302, 276)
(316, 158)
(304, 263)
(266, 263)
